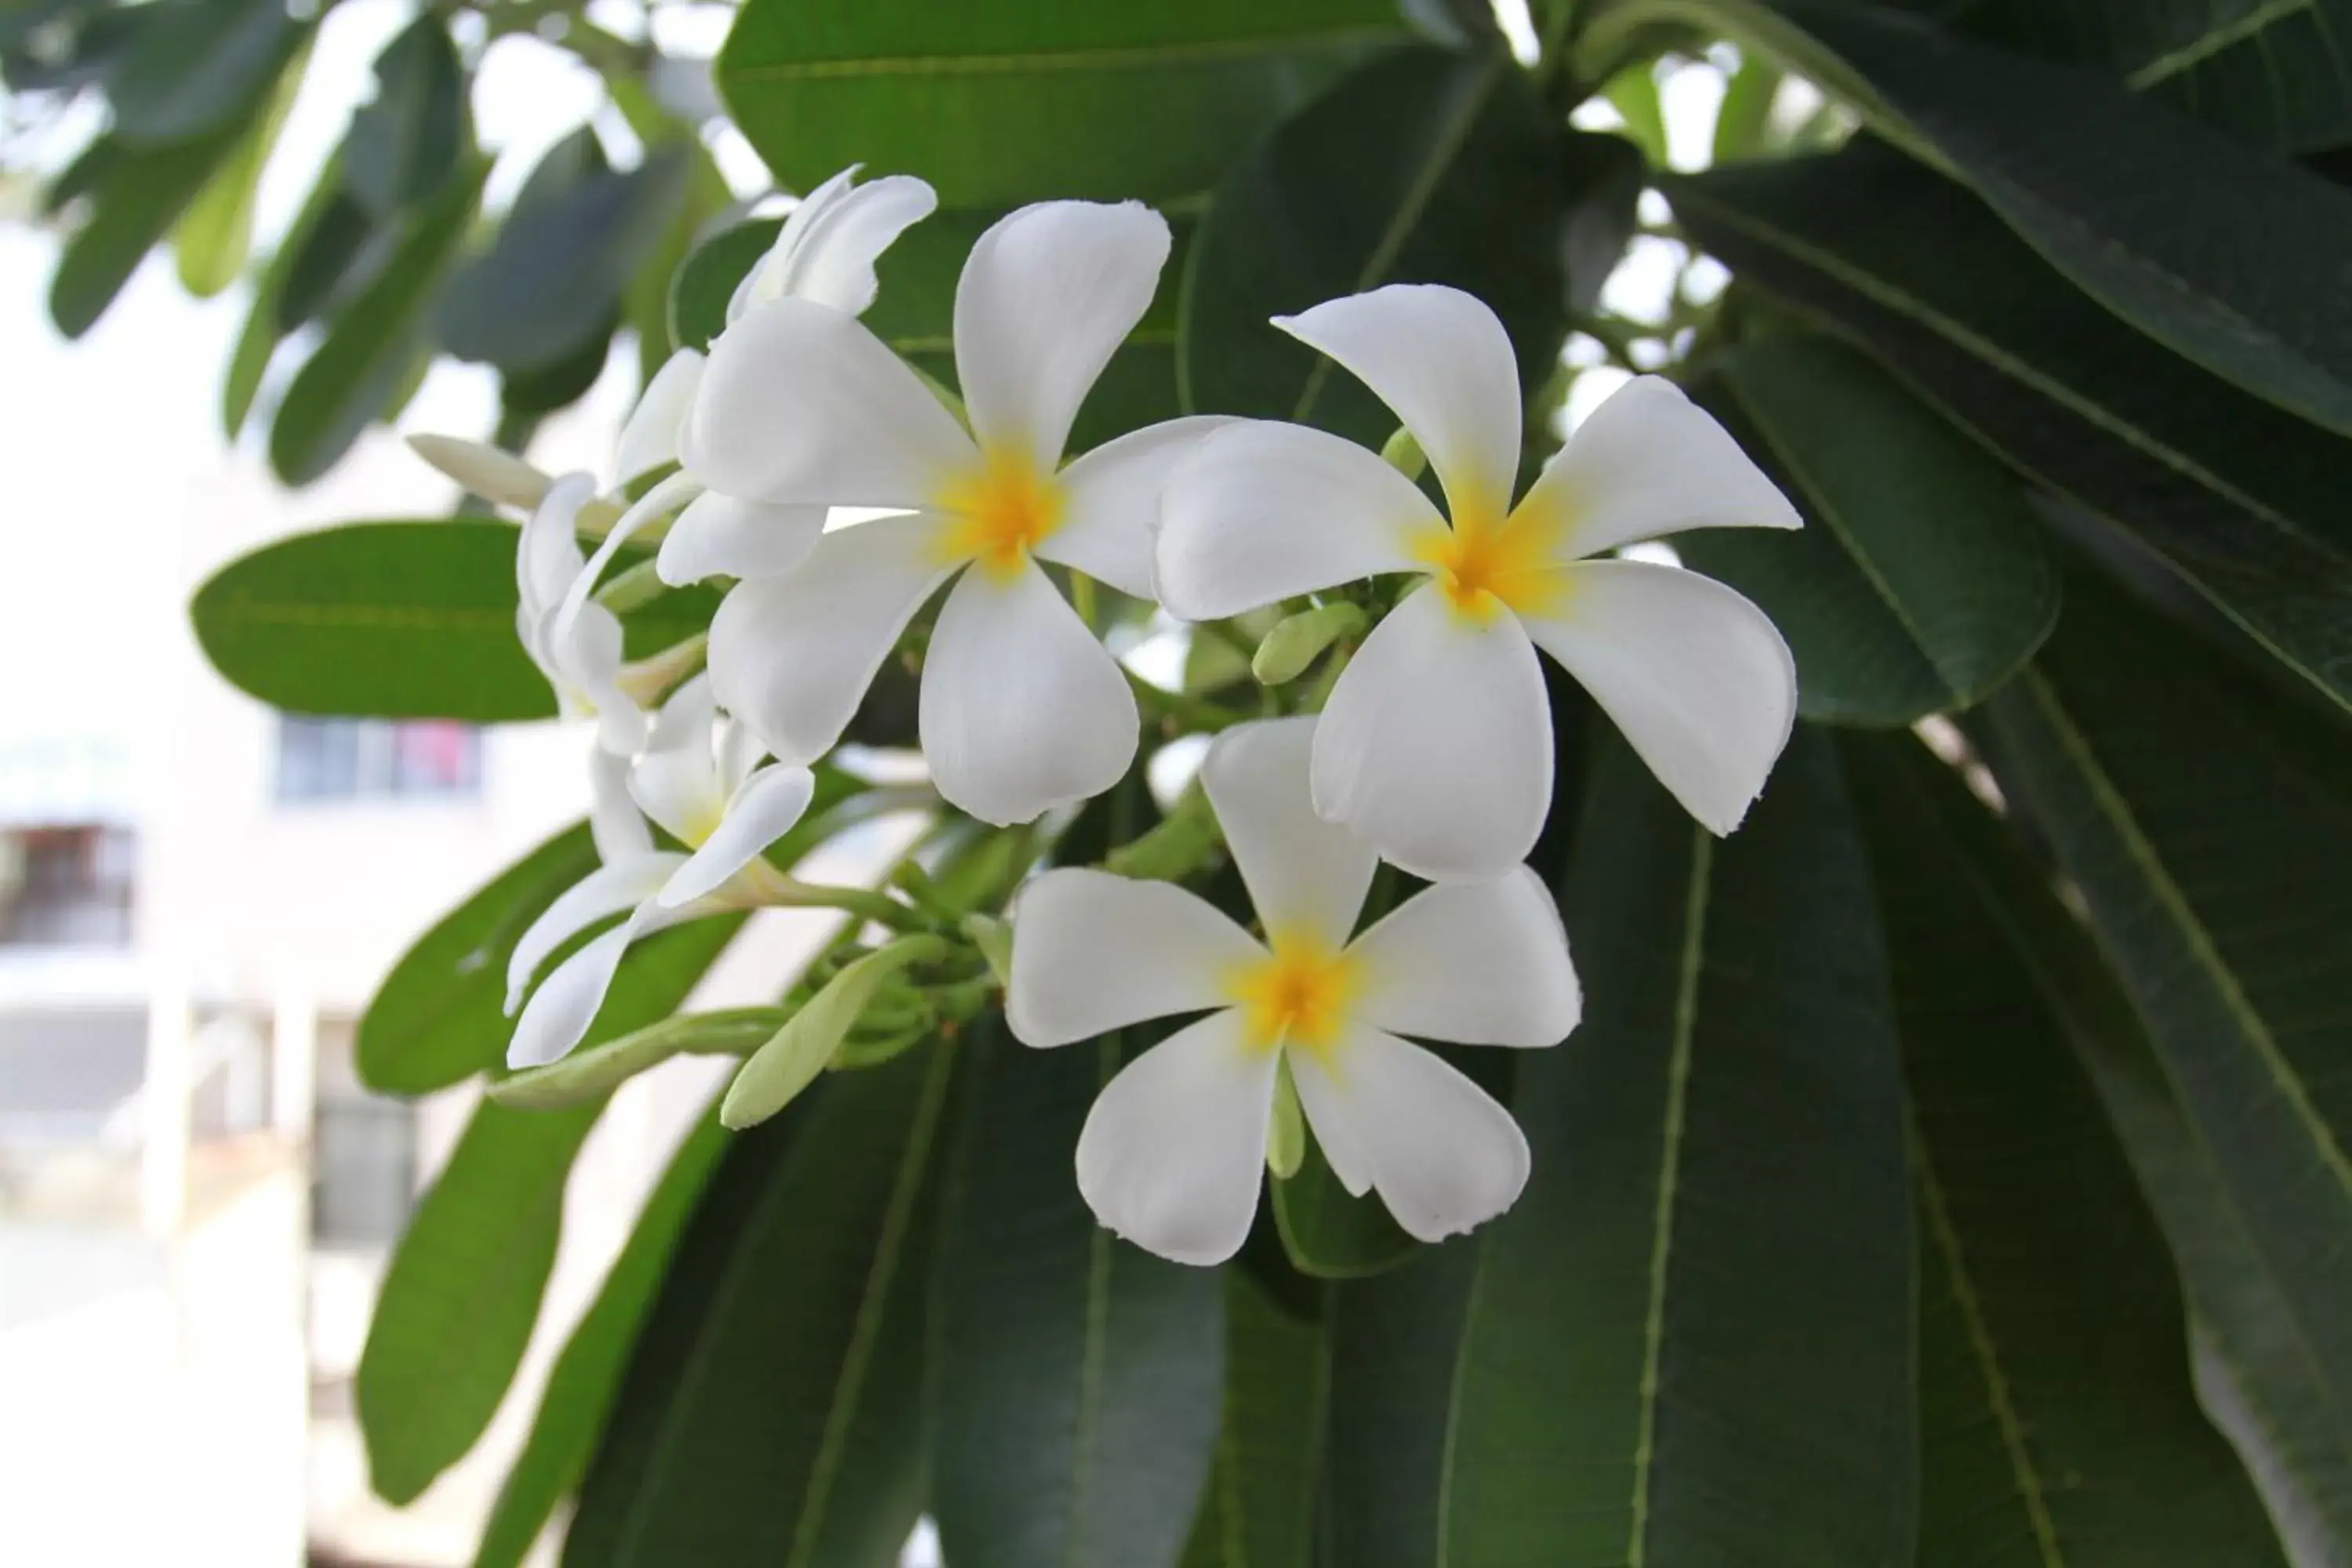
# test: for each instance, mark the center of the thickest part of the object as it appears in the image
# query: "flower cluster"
(1432, 749)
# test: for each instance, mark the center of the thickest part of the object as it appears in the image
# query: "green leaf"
(558, 385)
(771, 1412)
(198, 66)
(553, 278)
(2210, 833)
(1423, 167)
(2055, 1404)
(586, 1074)
(793, 1056)
(332, 256)
(915, 314)
(462, 1293)
(409, 138)
(2243, 501)
(395, 619)
(1260, 1507)
(2228, 255)
(996, 105)
(215, 233)
(1331, 1233)
(1744, 120)
(1079, 1379)
(1394, 1342)
(1690, 1341)
(587, 1374)
(367, 352)
(136, 194)
(1921, 579)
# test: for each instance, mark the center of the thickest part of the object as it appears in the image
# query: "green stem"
(1186, 709)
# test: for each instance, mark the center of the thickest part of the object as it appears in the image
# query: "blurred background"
(197, 894)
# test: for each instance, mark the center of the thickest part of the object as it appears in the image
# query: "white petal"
(1303, 872)
(614, 822)
(1264, 511)
(606, 891)
(686, 718)
(793, 655)
(564, 1006)
(1171, 1153)
(1046, 295)
(1650, 461)
(765, 281)
(1480, 964)
(831, 260)
(1442, 1155)
(1442, 361)
(1436, 743)
(1111, 501)
(719, 536)
(800, 404)
(488, 471)
(1695, 675)
(679, 789)
(1093, 953)
(1022, 710)
(649, 439)
(547, 554)
(589, 662)
(761, 812)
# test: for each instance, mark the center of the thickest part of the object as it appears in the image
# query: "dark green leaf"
(136, 194)
(2230, 256)
(1001, 105)
(2055, 1403)
(396, 620)
(199, 67)
(554, 276)
(1079, 1379)
(462, 1292)
(1691, 1338)
(359, 368)
(1328, 1232)
(1422, 167)
(84, 46)
(2243, 501)
(772, 1410)
(581, 1385)
(561, 384)
(330, 256)
(2209, 829)
(1921, 579)
(408, 139)
(1260, 1507)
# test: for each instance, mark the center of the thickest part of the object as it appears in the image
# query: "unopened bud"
(1299, 640)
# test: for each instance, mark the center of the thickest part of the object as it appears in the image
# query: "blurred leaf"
(2244, 501)
(771, 1412)
(587, 1374)
(358, 369)
(1423, 167)
(215, 233)
(563, 382)
(554, 276)
(400, 620)
(1719, 1173)
(1744, 120)
(331, 256)
(2209, 830)
(199, 68)
(1605, 177)
(1328, 1232)
(406, 140)
(2228, 255)
(257, 339)
(1921, 580)
(87, 43)
(462, 1292)
(2055, 1404)
(1634, 94)
(136, 194)
(1259, 1511)
(1001, 105)
(1080, 1380)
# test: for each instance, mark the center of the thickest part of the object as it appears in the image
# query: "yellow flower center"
(1487, 563)
(999, 512)
(1297, 995)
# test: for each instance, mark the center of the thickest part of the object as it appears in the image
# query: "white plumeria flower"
(700, 781)
(1436, 742)
(1171, 1152)
(1022, 709)
(585, 667)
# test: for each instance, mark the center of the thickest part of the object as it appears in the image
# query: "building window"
(376, 758)
(66, 887)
